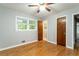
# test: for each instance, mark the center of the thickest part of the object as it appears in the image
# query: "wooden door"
(61, 31)
(40, 30)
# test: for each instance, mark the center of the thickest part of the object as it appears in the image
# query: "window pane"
(21, 24)
(32, 24)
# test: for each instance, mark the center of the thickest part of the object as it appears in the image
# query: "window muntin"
(24, 24)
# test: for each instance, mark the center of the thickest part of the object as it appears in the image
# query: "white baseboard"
(69, 47)
(28, 43)
(51, 42)
(17, 45)
(56, 43)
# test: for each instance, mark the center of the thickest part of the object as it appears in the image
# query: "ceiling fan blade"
(47, 9)
(38, 11)
(32, 5)
(49, 3)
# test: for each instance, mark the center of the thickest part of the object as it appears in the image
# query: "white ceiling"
(32, 11)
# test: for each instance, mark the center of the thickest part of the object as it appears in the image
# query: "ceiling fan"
(45, 5)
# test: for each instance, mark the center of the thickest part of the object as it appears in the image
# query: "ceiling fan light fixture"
(42, 8)
(48, 9)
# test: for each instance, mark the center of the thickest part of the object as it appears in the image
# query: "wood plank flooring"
(42, 48)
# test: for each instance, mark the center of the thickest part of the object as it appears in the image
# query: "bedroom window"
(24, 24)
(21, 24)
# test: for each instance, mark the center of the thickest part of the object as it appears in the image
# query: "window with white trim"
(24, 24)
(21, 24)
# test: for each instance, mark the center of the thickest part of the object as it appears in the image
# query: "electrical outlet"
(23, 41)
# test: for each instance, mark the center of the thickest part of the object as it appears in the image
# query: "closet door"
(61, 31)
(40, 30)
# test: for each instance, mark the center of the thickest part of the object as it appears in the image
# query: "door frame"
(74, 29)
(73, 32)
(66, 28)
(46, 30)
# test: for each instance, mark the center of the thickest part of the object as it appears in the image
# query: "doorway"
(76, 31)
(61, 31)
(40, 30)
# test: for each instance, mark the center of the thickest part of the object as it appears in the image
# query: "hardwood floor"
(42, 48)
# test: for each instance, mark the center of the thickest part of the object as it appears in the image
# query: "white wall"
(8, 34)
(52, 26)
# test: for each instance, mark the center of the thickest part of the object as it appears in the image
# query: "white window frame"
(17, 21)
(28, 20)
